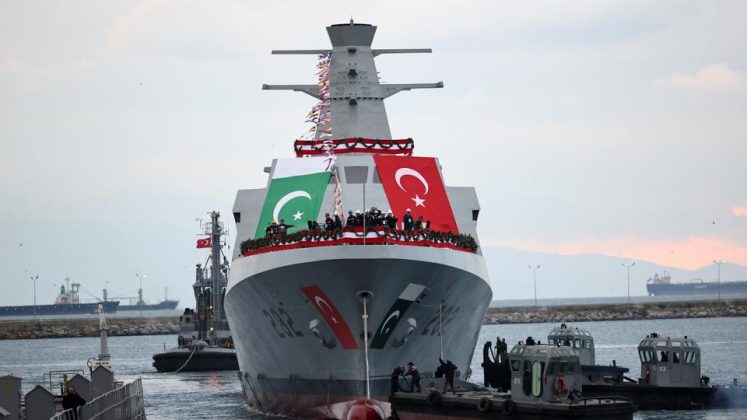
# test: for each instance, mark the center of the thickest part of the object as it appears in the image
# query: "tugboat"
(546, 382)
(205, 342)
(582, 343)
(671, 379)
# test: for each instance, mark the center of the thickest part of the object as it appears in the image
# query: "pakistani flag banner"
(296, 192)
(395, 313)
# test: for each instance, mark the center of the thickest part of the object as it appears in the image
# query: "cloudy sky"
(614, 128)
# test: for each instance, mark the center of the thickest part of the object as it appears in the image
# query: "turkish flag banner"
(204, 243)
(415, 183)
(324, 305)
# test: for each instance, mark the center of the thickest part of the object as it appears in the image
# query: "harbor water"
(218, 395)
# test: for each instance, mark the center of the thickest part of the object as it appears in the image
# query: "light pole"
(34, 278)
(534, 277)
(140, 294)
(627, 266)
(718, 278)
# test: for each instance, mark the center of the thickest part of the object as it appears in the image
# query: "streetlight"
(34, 278)
(534, 276)
(140, 294)
(628, 267)
(718, 278)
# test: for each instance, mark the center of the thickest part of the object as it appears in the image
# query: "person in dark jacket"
(413, 371)
(449, 370)
(408, 220)
(394, 382)
(71, 401)
(350, 222)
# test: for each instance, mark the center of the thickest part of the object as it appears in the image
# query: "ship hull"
(301, 358)
(110, 307)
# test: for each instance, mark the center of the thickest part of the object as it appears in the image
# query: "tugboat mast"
(216, 274)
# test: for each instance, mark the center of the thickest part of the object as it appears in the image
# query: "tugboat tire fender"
(434, 398)
(483, 405)
(508, 407)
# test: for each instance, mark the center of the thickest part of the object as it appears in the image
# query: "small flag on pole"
(204, 243)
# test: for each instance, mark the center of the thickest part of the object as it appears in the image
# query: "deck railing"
(124, 402)
(379, 235)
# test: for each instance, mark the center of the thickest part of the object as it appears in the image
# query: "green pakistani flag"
(395, 313)
(296, 192)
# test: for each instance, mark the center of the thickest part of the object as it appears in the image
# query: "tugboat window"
(551, 368)
(563, 368)
(356, 174)
(516, 365)
(675, 357)
(664, 356)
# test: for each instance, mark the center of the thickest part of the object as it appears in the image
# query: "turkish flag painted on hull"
(328, 310)
(415, 183)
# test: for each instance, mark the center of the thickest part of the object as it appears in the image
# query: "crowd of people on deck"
(372, 220)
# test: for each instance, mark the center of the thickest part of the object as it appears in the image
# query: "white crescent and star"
(394, 314)
(285, 199)
(403, 172)
(326, 308)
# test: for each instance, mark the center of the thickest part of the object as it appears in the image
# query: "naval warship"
(321, 309)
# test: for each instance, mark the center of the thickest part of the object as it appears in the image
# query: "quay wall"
(617, 312)
(58, 328)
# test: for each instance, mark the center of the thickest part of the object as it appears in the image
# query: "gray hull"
(293, 354)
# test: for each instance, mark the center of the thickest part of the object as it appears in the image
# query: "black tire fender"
(483, 405)
(434, 398)
(508, 407)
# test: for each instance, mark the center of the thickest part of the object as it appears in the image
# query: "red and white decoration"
(402, 147)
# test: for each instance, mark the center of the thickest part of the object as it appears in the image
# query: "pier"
(617, 312)
(60, 328)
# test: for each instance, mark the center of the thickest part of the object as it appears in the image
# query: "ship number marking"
(448, 315)
(281, 322)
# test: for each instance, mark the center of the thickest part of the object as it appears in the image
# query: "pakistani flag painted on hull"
(296, 192)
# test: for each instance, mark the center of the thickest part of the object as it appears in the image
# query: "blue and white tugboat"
(323, 304)
(205, 342)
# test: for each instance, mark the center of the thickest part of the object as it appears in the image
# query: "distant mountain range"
(583, 276)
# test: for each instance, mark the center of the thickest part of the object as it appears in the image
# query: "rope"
(185, 363)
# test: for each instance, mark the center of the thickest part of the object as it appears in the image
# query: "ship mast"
(356, 98)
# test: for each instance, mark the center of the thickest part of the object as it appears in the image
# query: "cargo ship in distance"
(322, 307)
(67, 303)
(662, 285)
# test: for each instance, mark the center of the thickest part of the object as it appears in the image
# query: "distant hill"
(583, 276)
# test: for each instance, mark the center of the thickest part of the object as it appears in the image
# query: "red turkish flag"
(204, 243)
(415, 183)
(327, 309)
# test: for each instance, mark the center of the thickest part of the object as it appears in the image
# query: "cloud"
(691, 253)
(739, 210)
(714, 78)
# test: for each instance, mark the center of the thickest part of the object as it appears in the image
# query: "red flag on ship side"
(204, 243)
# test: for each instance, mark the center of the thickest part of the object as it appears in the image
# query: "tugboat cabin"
(579, 340)
(673, 362)
(543, 373)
